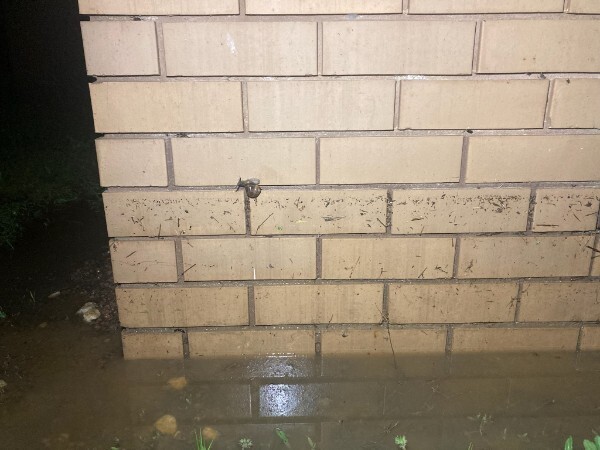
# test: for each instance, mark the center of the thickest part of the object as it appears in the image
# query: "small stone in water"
(3, 384)
(167, 424)
(54, 295)
(177, 383)
(209, 433)
(43, 325)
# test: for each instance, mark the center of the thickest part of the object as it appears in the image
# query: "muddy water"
(69, 388)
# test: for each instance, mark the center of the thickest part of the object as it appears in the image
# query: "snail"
(251, 186)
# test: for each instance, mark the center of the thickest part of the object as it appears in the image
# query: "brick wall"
(433, 165)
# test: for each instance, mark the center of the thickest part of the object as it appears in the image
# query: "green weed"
(587, 445)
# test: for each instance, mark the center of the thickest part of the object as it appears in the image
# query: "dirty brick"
(566, 209)
(152, 345)
(143, 261)
(418, 211)
(366, 342)
(148, 213)
(567, 302)
(323, 212)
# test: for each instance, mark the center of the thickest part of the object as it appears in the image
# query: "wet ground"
(67, 386)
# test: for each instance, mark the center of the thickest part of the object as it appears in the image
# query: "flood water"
(68, 388)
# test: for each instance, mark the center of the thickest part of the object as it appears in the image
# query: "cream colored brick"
(131, 162)
(481, 104)
(377, 341)
(590, 339)
(251, 343)
(358, 258)
(160, 213)
(584, 6)
(519, 46)
(596, 262)
(321, 105)
(138, 107)
(152, 345)
(566, 209)
(562, 302)
(323, 6)
(524, 256)
(452, 303)
(398, 47)
(533, 158)
(514, 339)
(575, 104)
(459, 210)
(240, 48)
(182, 307)
(391, 160)
(249, 259)
(275, 161)
(158, 7)
(355, 303)
(319, 212)
(120, 48)
(143, 261)
(483, 6)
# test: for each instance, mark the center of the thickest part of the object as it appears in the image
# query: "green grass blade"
(589, 445)
(569, 443)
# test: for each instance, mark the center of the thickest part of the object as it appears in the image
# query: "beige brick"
(138, 107)
(131, 162)
(397, 47)
(519, 46)
(120, 48)
(251, 343)
(182, 307)
(158, 7)
(357, 258)
(377, 341)
(143, 261)
(452, 303)
(355, 303)
(319, 212)
(562, 302)
(323, 6)
(575, 104)
(276, 161)
(533, 158)
(240, 48)
(391, 160)
(459, 210)
(160, 213)
(566, 209)
(321, 105)
(596, 262)
(483, 6)
(590, 339)
(152, 345)
(524, 256)
(249, 259)
(481, 104)
(514, 339)
(584, 6)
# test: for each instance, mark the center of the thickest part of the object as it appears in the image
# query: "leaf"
(589, 445)
(569, 443)
(313, 446)
(597, 442)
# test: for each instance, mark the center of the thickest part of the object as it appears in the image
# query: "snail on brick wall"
(251, 186)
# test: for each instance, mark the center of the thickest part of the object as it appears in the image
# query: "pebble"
(177, 383)
(3, 384)
(89, 311)
(210, 434)
(54, 295)
(43, 325)
(167, 424)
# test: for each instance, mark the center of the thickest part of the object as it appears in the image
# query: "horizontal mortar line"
(366, 236)
(360, 133)
(361, 327)
(398, 17)
(362, 187)
(341, 282)
(349, 77)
